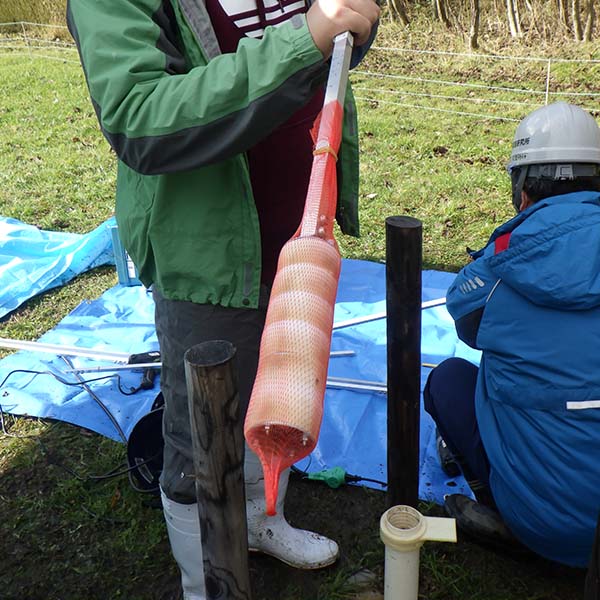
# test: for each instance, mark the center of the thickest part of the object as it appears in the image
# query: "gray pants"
(179, 326)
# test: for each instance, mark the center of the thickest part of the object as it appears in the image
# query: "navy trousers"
(449, 397)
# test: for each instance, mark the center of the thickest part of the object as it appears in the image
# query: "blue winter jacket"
(531, 302)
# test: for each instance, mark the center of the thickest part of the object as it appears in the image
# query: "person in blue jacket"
(525, 425)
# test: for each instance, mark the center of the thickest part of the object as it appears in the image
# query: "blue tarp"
(353, 434)
(33, 261)
(121, 320)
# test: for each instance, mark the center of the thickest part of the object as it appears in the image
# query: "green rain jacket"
(180, 116)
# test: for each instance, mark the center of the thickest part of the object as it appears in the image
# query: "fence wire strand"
(420, 85)
(452, 83)
(486, 56)
(437, 109)
(443, 97)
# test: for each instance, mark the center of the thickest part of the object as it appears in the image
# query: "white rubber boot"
(274, 535)
(183, 527)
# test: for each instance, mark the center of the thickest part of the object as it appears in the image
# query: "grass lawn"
(66, 537)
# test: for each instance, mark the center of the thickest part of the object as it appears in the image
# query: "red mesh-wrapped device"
(286, 407)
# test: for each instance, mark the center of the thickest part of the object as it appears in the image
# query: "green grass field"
(66, 538)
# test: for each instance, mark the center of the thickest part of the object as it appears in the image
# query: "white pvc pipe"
(403, 530)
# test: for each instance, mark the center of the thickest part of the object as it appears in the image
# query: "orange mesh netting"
(286, 407)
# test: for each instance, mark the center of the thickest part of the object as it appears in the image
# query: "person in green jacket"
(208, 105)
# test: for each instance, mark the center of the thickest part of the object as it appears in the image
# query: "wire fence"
(471, 85)
(482, 86)
(37, 41)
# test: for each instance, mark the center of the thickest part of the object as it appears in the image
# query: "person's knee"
(451, 368)
(439, 380)
(448, 374)
(447, 384)
(427, 397)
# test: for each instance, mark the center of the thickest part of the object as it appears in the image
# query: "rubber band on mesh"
(326, 150)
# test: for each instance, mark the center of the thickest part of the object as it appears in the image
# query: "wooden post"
(218, 446)
(403, 304)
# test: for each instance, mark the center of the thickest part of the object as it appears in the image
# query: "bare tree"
(474, 31)
(518, 18)
(563, 13)
(576, 16)
(590, 18)
(440, 13)
(536, 22)
(514, 21)
(398, 11)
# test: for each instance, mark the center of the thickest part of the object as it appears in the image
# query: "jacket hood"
(553, 258)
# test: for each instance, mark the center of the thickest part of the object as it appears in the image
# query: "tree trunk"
(537, 23)
(518, 18)
(563, 13)
(398, 12)
(513, 18)
(576, 16)
(590, 18)
(474, 31)
(439, 11)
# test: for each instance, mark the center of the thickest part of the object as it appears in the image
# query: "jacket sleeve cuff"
(302, 40)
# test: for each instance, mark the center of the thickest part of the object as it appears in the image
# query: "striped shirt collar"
(252, 16)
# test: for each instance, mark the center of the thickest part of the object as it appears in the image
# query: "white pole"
(548, 80)
(25, 36)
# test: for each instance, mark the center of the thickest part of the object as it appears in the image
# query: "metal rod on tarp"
(109, 368)
(382, 315)
(157, 365)
(404, 238)
(97, 400)
(218, 453)
(345, 383)
(61, 350)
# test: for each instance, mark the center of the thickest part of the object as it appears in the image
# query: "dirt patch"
(66, 539)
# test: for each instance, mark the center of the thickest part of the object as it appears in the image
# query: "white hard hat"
(557, 133)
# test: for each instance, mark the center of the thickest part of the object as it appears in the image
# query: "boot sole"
(303, 567)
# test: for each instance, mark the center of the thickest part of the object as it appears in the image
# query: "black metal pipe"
(404, 241)
(218, 448)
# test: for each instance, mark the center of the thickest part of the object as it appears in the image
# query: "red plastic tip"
(272, 472)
